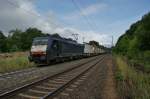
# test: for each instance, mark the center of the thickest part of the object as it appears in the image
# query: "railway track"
(13, 80)
(7, 75)
(48, 87)
(20, 72)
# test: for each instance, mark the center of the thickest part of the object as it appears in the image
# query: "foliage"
(18, 40)
(94, 43)
(136, 41)
(131, 84)
(2, 42)
(137, 36)
(14, 61)
(56, 35)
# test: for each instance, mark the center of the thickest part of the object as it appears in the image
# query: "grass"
(15, 62)
(141, 61)
(131, 84)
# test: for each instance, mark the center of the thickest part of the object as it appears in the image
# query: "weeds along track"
(48, 87)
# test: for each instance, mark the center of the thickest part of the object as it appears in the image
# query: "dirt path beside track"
(109, 90)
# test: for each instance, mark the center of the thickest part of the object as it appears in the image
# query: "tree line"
(135, 42)
(18, 40)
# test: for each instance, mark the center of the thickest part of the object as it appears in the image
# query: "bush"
(14, 63)
(119, 76)
(147, 55)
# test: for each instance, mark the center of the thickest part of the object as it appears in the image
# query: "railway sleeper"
(51, 84)
(40, 92)
(73, 89)
(46, 88)
(29, 94)
(56, 82)
(26, 96)
(61, 80)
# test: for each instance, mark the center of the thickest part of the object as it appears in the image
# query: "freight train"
(49, 49)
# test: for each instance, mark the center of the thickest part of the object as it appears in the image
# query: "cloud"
(22, 14)
(91, 9)
(103, 39)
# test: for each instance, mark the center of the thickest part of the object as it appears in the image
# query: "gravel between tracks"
(8, 82)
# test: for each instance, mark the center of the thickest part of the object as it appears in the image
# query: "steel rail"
(51, 94)
(16, 90)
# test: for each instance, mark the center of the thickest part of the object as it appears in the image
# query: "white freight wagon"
(88, 49)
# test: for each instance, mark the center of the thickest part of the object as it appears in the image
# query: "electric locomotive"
(49, 48)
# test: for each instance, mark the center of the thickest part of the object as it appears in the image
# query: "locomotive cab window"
(40, 41)
(55, 45)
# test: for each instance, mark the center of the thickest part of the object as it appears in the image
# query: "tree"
(14, 40)
(95, 43)
(18, 40)
(136, 39)
(27, 37)
(56, 35)
(2, 42)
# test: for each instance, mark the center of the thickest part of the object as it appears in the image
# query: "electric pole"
(112, 44)
(75, 35)
(83, 39)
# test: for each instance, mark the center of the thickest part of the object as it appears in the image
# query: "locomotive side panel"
(69, 49)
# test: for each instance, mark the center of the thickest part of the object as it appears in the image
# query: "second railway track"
(50, 86)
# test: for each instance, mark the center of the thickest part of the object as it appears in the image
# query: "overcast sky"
(91, 19)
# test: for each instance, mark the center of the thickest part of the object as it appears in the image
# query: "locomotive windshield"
(40, 41)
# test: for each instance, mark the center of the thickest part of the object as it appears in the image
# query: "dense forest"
(135, 43)
(18, 40)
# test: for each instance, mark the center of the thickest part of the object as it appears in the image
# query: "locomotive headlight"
(39, 53)
(43, 53)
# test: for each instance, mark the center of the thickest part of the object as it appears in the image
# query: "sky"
(92, 19)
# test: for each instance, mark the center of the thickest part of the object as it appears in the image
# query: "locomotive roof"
(58, 38)
(44, 37)
(65, 40)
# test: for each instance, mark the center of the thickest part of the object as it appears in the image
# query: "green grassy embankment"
(131, 83)
(14, 61)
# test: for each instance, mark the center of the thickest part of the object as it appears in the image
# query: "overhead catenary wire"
(90, 18)
(91, 24)
(84, 16)
(35, 14)
(31, 13)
